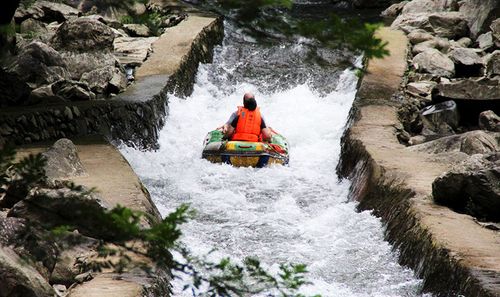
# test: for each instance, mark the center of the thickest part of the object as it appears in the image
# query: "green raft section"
(245, 153)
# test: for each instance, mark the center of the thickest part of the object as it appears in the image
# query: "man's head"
(249, 101)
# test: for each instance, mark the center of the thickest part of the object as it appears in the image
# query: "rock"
(477, 13)
(72, 90)
(423, 46)
(441, 118)
(467, 62)
(62, 206)
(394, 10)
(19, 279)
(419, 6)
(419, 36)
(32, 26)
(489, 120)
(44, 94)
(442, 24)
(118, 82)
(462, 42)
(493, 64)
(46, 11)
(479, 142)
(132, 51)
(472, 188)
(83, 35)
(76, 250)
(80, 63)
(434, 62)
(39, 64)
(485, 41)
(106, 80)
(422, 88)
(13, 91)
(62, 158)
(469, 89)
(137, 30)
(495, 31)
(60, 290)
(10, 229)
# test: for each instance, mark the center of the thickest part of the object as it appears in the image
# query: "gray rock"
(13, 91)
(63, 160)
(118, 82)
(394, 10)
(493, 64)
(489, 120)
(477, 13)
(423, 46)
(72, 90)
(465, 56)
(485, 41)
(106, 80)
(469, 89)
(39, 64)
(19, 279)
(32, 26)
(434, 62)
(419, 36)
(442, 24)
(462, 42)
(47, 12)
(422, 6)
(495, 30)
(422, 88)
(470, 143)
(83, 35)
(80, 63)
(133, 51)
(137, 30)
(441, 118)
(472, 188)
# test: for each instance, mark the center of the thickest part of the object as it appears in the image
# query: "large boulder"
(489, 120)
(62, 159)
(106, 80)
(19, 279)
(46, 11)
(394, 10)
(477, 12)
(80, 63)
(434, 62)
(71, 90)
(447, 24)
(419, 6)
(39, 64)
(83, 35)
(13, 90)
(469, 89)
(472, 187)
(467, 62)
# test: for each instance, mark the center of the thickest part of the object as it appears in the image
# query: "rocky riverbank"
(423, 144)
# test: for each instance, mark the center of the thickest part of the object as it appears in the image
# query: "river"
(297, 213)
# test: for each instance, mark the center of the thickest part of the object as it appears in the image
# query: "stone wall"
(132, 122)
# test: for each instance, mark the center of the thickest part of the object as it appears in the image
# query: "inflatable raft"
(245, 153)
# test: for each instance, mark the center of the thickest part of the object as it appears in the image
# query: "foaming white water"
(297, 213)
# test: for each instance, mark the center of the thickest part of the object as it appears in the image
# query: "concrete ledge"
(453, 254)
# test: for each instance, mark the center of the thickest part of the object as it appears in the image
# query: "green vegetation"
(123, 235)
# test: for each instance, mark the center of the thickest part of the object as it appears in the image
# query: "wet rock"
(137, 30)
(13, 91)
(63, 206)
(477, 13)
(19, 279)
(72, 90)
(485, 41)
(441, 118)
(133, 51)
(394, 10)
(83, 35)
(449, 25)
(46, 11)
(493, 64)
(419, 36)
(63, 160)
(434, 62)
(469, 89)
(472, 187)
(39, 64)
(489, 120)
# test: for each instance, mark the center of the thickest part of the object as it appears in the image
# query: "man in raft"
(246, 123)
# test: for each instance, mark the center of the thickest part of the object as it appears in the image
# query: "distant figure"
(247, 124)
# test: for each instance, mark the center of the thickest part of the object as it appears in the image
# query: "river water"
(298, 213)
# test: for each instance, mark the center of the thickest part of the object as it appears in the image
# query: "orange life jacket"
(248, 126)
